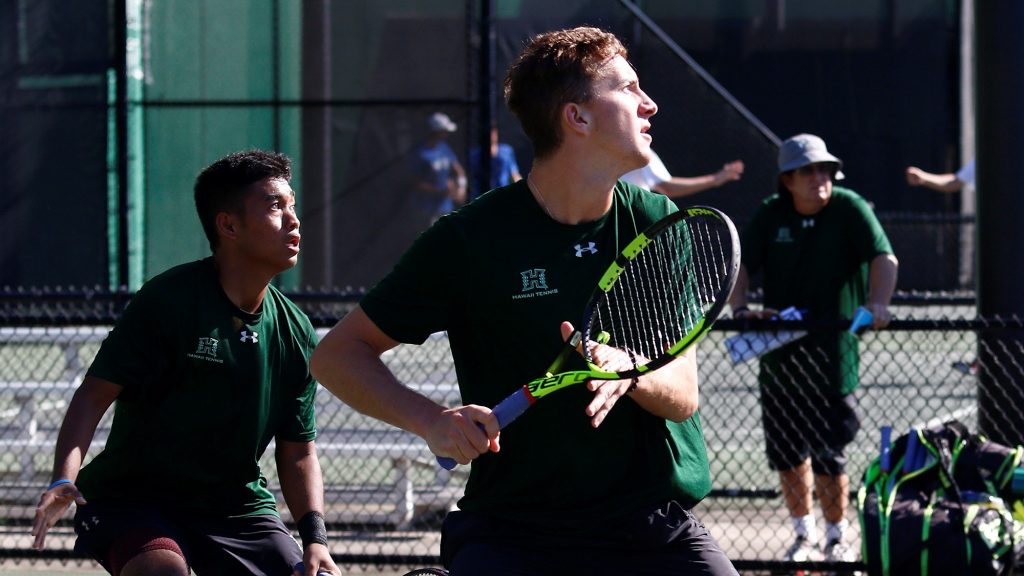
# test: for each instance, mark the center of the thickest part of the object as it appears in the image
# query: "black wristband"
(312, 529)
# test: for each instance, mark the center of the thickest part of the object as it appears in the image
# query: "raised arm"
(348, 363)
(941, 182)
(680, 186)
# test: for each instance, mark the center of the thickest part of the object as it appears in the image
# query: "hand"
(880, 315)
(319, 558)
(457, 190)
(914, 176)
(731, 171)
(52, 506)
(464, 433)
(606, 392)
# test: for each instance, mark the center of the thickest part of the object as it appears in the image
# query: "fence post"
(1000, 149)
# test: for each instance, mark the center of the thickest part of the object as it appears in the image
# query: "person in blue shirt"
(439, 179)
(504, 168)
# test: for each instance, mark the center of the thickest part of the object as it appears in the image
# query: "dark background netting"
(109, 110)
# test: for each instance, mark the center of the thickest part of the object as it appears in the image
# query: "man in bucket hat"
(822, 252)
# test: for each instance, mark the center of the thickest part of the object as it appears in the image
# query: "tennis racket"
(659, 297)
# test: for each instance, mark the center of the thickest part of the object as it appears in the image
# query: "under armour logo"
(89, 523)
(808, 223)
(580, 249)
(253, 337)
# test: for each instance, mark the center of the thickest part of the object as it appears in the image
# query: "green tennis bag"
(940, 503)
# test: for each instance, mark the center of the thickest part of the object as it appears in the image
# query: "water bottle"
(1017, 484)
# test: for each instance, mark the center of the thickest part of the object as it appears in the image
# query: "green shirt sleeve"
(417, 298)
(871, 238)
(133, 348)
(299, 423)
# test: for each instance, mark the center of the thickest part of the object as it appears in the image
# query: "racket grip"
(506, 411)
(512, 407)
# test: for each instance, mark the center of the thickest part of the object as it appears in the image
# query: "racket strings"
(666, 289)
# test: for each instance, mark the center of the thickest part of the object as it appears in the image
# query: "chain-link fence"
(385, 494)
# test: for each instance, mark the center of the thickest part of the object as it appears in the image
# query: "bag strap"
(943, 445)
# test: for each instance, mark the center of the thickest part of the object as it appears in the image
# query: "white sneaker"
(803, 550)
(839, 551)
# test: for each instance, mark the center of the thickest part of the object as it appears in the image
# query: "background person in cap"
(822, 251)
(440, 180)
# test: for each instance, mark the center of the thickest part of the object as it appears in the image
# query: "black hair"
(221, 186)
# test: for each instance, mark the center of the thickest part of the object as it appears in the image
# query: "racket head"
(665, 289)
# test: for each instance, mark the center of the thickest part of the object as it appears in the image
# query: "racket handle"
(861, 318)
(884, 459)
(506, 411)
(301, 569)
(446, 462)
(910, 457)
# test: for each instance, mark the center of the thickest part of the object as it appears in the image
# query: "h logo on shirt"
(207, 347)
(534, 279)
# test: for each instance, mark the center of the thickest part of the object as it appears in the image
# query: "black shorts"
(807, 423)
(239, 546)
(668, 540)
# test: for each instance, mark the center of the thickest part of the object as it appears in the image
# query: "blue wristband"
(56, 483)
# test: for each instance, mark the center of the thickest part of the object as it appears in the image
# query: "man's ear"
(227, 225)
(576, 118)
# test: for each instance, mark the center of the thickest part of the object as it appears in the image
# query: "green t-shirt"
(206, 388)
(500, 276)
(818, 264)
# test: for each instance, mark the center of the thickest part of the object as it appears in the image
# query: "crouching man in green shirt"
(206, 366)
